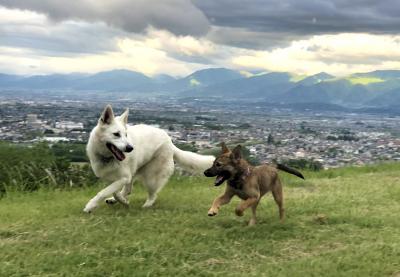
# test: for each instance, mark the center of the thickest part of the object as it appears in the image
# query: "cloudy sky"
(177, 36)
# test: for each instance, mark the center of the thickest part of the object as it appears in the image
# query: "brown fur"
(249, 183)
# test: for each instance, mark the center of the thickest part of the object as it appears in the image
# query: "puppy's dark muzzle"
(210, 173)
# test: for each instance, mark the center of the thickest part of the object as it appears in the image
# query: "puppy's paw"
(252, 222)
(212, 212)
(239, 212)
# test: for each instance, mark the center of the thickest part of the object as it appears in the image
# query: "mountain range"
(372, 89)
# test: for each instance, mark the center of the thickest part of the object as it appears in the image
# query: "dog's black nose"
(128, 148)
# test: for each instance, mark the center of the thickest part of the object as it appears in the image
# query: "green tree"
(270, 139)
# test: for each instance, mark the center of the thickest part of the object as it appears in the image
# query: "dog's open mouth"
(118, 154)
(222, 177)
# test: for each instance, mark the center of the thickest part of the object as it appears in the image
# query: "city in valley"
(270, 133)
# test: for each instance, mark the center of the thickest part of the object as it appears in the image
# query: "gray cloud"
(304, 17)
(294, 19)
(70, 38)
(243, 38)
(372, 59)
(72, 28)
(180, 17)
(255, 24)
(197, 59)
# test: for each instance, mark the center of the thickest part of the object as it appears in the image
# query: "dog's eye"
(117, 134)
(218, 164)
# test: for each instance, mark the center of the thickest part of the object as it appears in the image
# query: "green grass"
(342, 222)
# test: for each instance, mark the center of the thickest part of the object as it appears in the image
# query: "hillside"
(341, 222)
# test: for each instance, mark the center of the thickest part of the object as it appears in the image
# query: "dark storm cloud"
(279, 21)
(180, 17)
(304, 17)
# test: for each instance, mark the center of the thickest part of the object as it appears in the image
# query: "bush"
(74, 152)
(187, 147)
(28, 168)
(304, 164)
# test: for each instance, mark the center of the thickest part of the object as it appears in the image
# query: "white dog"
(120, 154)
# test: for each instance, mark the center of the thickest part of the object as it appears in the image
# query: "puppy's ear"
(124, 116)
(107, 116)
(237, 152)
(224, 148)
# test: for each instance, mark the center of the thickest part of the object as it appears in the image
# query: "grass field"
(343, 222)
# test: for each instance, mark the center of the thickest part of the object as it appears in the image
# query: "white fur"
(151, 161)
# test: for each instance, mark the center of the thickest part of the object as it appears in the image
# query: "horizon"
(177, 37)
(245, 74)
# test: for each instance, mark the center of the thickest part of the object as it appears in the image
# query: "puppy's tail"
(289, 170)
(192, 162)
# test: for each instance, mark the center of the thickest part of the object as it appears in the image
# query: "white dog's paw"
(111, 201)
(89, 207)
(148, 203)
(87, 210)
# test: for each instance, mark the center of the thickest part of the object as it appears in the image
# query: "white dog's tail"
(192, 162)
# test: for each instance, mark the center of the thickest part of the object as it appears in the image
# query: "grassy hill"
(342, 222)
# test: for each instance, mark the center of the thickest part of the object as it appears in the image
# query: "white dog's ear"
(107, 116)
(124, 116)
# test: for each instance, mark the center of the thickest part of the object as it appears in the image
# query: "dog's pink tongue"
(120, 156)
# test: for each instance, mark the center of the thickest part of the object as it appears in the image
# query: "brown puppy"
(248, 182)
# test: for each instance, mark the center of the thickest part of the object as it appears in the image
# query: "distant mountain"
(388, 98)
(103, 81)
(6, 78)
(115, 80)
(371, 90)
(356, 90)
(339, 92)
(270, 84)
(383, 74)
(120, 80)
(164, 78)
(203, 78)
(212, 76)
(54, 81)
(315, 79)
